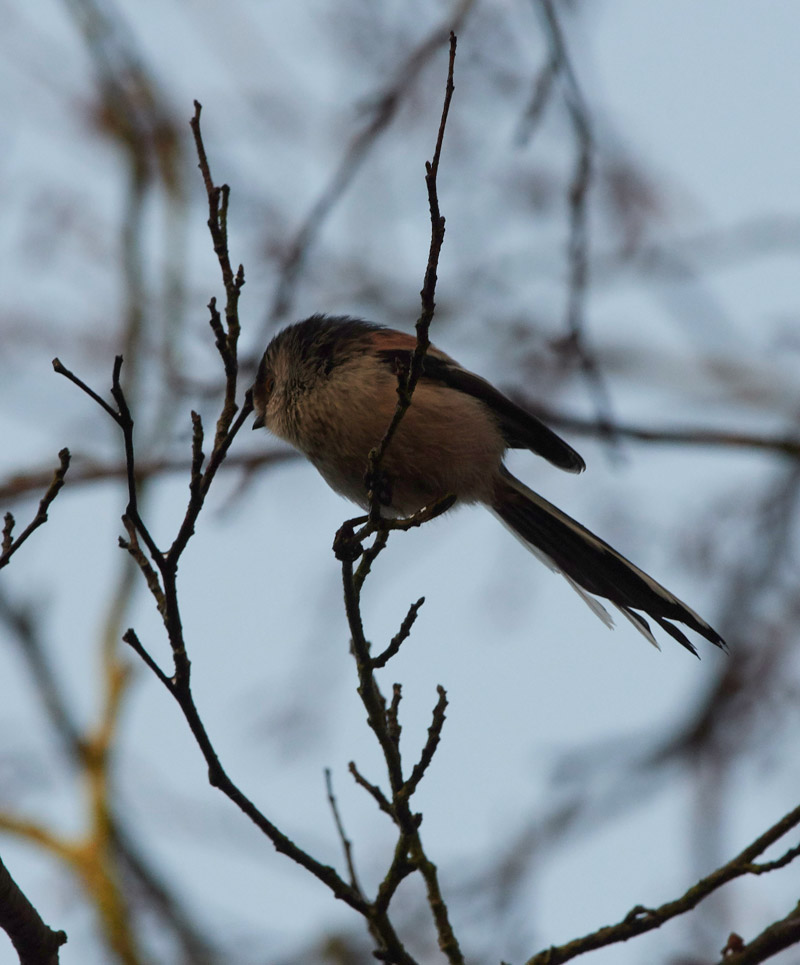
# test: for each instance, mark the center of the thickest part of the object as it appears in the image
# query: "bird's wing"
(520, 429)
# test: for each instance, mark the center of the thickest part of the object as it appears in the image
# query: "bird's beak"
(258, 422)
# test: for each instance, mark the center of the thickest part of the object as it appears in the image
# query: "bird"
(327, 385)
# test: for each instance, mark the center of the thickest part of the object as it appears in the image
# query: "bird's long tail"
(591, 566)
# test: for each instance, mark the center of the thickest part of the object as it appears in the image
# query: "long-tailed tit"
(328, 386)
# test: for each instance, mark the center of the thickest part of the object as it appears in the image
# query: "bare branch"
(788, 445)
(226, 339)
(372, 789)
(61, 370)
(347, 844)
(10, 545)
(434, 736)
(407, 381)
(382, 719)
(217, 204)
(165, 589)
(125, 421)
(135, 644)
(775, 938)
(87, 472)
(542, 89)
(33, 941)
(399, 639)
(640, 920)
(150, 575)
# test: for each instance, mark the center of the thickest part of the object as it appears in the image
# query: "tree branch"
(407, 381)
(9, 545)
(347, 844)
(640, 920)
(33, 941)
(384, 719)
(775, 938)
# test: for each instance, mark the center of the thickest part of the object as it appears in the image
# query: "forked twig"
(10, 544)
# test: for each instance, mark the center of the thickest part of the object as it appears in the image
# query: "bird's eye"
(265, 380)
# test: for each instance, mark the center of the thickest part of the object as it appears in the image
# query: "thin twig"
(9, 545)
(135, 644)
(407, 381)
(125, 421)
(368, 689)
(61, 370)
(135, 550)
(764, 867)
(371, 553)
(347, 844)
(399, 870)
(393, 726)
(400, 637)
(542, 89)
(180, 689)
(226, 339)
(434, 736)
(372, 789)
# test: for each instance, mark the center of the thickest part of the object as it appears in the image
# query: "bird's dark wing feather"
(520, 429)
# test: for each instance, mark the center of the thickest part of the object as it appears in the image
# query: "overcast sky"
(704, 97)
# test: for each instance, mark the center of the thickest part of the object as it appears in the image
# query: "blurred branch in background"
(727, 728)
(780, 445)
(382, 110)
(85, 473)
(132, 113)
(559, 73)
(109, 848)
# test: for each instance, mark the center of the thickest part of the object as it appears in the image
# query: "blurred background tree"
(619, 183)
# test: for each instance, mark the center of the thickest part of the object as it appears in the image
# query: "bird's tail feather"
(592, 567)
